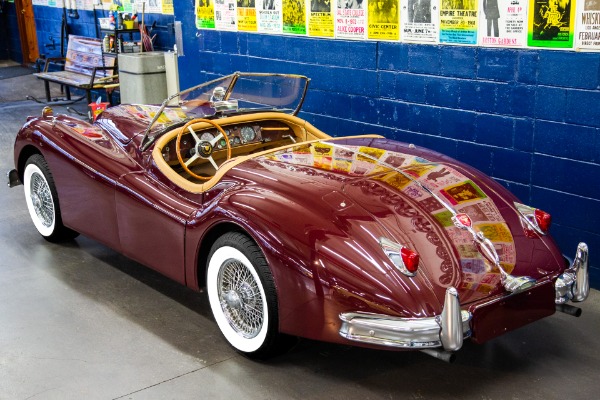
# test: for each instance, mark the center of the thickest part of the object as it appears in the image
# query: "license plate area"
(496, 317)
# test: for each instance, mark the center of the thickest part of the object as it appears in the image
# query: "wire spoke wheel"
(41, 199)
(240, 299)
(243, 298)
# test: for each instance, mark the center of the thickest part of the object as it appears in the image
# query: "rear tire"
(42, 201)
(243, 298)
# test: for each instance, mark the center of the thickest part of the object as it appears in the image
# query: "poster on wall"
(320, 18)
(502, 23)
(588, 25)
(551, 23)
(205, 14)
(458, 21)
(294, 17)
(153, 6)
(269, 16)
(384, 20)
(351, 19)
(246, 13)
(420, 20)
(167, 7)
(225, 15)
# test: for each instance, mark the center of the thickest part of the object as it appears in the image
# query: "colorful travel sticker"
(322, 149)
(462, 193)
(444, 218)
(482, 211)
(495, 231)
(431, 204)
(473, 265)
(395, 180)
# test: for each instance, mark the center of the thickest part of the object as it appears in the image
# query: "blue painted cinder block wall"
(48, 21)
(529, 118)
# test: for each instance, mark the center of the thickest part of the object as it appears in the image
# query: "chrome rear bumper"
(446, 330)
(574, 282)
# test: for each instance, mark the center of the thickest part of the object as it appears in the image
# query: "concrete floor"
(79, 321)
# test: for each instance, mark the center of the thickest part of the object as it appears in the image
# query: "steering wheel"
(203, 148)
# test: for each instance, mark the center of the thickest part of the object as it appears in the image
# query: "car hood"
(405, 203)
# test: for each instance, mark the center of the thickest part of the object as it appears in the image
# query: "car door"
(152, 219)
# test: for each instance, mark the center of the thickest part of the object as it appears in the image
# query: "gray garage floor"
(79, 321)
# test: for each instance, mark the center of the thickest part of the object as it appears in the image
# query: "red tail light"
(543, 220)
(535, 221)
(410, 259)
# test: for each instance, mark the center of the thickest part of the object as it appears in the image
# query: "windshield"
(236, 93)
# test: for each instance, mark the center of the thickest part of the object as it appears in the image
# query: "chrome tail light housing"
(535, 220)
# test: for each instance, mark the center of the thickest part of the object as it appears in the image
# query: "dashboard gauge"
(248, 133)
(222, 143)
(237, 140)
(207, 136)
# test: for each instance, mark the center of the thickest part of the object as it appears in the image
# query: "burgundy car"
(355, 240)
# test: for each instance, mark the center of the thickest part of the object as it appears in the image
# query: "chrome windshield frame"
(147, 140)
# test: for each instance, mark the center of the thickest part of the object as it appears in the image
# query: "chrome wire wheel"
(242, 295)
(240, 298)
(41, 198)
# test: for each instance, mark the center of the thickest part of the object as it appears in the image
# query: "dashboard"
(239, 135)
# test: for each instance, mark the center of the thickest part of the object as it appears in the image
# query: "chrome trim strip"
(448, 329)
(13, 178)
(574, 284)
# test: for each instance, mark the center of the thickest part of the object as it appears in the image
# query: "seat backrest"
(83, 54)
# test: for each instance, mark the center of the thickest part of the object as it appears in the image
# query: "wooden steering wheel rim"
(178, 146)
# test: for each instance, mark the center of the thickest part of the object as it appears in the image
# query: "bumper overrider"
(574, 284)
(13, 178)
(447, 330)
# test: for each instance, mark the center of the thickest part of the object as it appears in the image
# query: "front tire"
(42, 200)
(243, 297)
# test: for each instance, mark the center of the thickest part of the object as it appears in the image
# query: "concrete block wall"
(529, 118)
(48, 21)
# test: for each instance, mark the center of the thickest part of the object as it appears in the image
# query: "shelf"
(107, 30)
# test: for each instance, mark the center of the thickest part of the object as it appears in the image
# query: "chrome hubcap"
(240, 299)
(41, 198)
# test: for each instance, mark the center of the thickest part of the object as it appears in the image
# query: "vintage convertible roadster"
(355, 240)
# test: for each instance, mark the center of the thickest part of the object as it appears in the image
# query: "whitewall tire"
(42, 200)
(242, 296)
